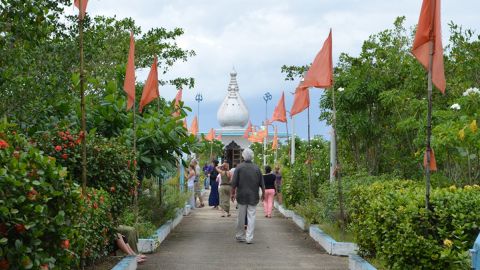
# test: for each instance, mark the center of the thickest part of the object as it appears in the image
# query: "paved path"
(204, 240)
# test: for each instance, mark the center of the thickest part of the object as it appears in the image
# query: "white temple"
(233, 117)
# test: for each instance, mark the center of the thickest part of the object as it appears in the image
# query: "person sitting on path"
(121, 243)
(269, 180)
(247, 179)
(213, 199)
(224, 189)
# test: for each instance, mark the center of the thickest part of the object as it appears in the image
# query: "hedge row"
(388, 219)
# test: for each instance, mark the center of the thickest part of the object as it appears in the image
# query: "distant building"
(233, 118)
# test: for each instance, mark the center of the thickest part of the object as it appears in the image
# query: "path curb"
(356, 262)
(331, 245)
(127, 263)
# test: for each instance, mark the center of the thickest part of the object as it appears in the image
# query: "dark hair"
(215, 162)
(268, 169)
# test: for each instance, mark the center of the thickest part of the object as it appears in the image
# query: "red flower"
(44, 267)
(65, 156)
(95, 205)
(4, 265)
(112, 189)
(20, 228)
(3, 144)
(64, 138)
(65, 244)
(58, 148)
(32, 194)
(67, 132)
(61, 133)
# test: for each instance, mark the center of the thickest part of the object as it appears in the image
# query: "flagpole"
(336, 164)
(292, 145)
(82, 100)
(309, 160)
(134, 174)
(429, 128)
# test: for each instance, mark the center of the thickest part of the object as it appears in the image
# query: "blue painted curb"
(127, 263)
(356, 262)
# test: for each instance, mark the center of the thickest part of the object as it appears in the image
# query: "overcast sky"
(259, 36)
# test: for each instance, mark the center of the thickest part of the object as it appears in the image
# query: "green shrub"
(390, 222)
(108, 163)
(94, 225)
(38, 208)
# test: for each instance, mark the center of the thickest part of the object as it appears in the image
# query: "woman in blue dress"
(213, 199)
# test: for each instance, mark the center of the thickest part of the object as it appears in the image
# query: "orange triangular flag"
(275, 140)
(248, 130)
(82, 10)
(262, 133)
(185, 123)
(211, 135)
(301, 101)
(150, 90)
(178, 98)
(433, 161)
(129, 83)
(320, 73)
(194, 126)
(280, 114)
(429, 30)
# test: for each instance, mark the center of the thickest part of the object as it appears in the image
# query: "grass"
(336, 232)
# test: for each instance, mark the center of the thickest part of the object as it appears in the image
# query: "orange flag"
(82, 10)
(194, 126)
(248, 130)
(280, 114)
(429, 30)
(211, 135)
(129, 83)
(178, 98)
(150, 90)
(262, 133)
(301, 101)
(433, 162)
(185, 123)
(275, 140)
(219, 137)
(320, 73)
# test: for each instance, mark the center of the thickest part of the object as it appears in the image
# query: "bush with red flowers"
(108, 163)
(38, 208)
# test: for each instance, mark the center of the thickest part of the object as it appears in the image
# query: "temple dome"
(232, 112)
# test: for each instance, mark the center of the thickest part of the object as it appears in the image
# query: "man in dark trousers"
(247, 179)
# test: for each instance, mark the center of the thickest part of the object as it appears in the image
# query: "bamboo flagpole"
(427, 48)
(82, 95)
(334, 160)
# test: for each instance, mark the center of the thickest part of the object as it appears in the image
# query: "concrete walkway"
(204, 240)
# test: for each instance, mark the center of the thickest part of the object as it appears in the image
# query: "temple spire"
(232, 112)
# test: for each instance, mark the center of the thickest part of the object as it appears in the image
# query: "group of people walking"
(242, 184)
